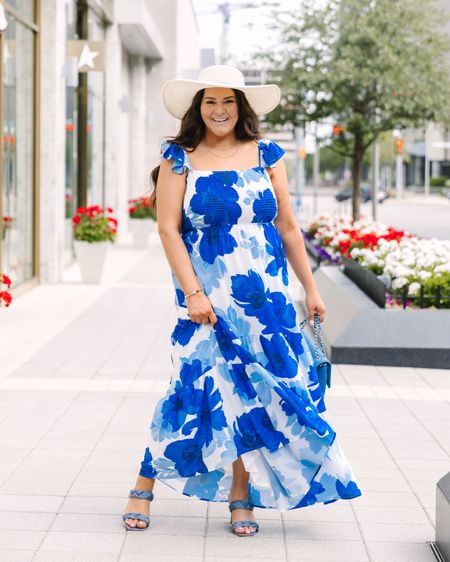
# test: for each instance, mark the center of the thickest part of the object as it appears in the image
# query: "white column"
(138, 170)
(52, 139)
(116, 142)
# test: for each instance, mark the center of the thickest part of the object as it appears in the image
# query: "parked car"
(366, 194)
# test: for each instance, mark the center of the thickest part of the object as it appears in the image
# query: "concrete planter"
(443, 517)
(359, 332)
(140, 230)
(91, 258)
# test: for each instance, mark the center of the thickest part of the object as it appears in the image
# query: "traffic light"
(399, 144)
(302, 153)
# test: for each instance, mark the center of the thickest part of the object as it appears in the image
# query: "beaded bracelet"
(187, 295)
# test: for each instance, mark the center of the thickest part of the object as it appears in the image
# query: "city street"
(428, 217)
(81, 368)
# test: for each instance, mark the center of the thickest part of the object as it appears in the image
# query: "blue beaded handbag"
(317, 349)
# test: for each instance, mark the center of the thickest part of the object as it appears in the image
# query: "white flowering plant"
(410, 264)
(406, 264)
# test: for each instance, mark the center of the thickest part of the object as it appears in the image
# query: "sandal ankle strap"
(240, 504)
(141, 494)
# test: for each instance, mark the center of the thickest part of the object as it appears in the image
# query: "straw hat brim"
(178, 94)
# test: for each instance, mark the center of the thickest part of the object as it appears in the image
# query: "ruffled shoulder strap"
(270, 152)
(175, 152)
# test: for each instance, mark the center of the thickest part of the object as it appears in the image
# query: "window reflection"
(25, 8)
(18, 148)
(71, 182)
(95, 122)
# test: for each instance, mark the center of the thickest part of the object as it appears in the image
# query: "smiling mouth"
(224, 120)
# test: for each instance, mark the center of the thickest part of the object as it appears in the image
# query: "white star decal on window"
(87, 57)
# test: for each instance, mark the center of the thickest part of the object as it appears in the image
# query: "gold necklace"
(235, 147)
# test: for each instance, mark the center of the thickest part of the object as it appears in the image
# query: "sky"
(248, 26)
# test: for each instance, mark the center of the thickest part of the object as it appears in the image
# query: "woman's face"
(219, 110)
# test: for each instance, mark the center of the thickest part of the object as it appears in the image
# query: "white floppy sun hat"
(178, 93)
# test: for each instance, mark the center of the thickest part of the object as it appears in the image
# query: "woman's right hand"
(200, 309)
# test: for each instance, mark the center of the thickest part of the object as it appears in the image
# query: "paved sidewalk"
(81, 369)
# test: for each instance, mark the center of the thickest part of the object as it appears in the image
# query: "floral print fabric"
(246, 386)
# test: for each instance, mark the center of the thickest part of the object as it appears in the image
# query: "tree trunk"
(356, 178)
(358, 156)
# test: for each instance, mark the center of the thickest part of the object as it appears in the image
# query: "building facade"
(82, 116)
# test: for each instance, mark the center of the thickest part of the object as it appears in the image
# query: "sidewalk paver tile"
(236, 547)
(16, 502)
(62, 556)
(160, 545)
(17, 520)
(63, 541)
(93, 504)
(16, 539)
(322, 530)
(32, 487)
(385, 514)
(400, 552)
(326, 550)
(17, 555)
(88, 523)
(397, 533)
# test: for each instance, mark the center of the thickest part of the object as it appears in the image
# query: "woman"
(243, 420)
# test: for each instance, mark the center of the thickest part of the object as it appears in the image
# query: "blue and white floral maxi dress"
(246, 386)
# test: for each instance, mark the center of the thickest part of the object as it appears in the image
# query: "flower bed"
(338, 236)
(416, 272)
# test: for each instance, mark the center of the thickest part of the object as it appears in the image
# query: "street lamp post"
(316, 172)
(399, 144)
(427, 161)
(375, 177)
(299, 167)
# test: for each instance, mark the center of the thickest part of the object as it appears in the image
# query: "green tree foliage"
(367, 65)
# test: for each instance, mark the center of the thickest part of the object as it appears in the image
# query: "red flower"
(5, 280)
(5, 298)
(110, 210)
(114, 221)
(76, 219)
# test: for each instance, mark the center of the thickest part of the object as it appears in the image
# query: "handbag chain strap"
(318, 337)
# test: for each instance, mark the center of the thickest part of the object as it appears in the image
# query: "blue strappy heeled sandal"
(242, 504)
(141, 495)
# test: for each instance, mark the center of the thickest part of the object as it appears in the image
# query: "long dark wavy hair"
(192, 129)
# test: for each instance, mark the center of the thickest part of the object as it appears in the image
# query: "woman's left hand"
(314, 303)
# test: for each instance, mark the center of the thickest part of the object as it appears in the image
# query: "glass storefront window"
(71, 182)
(95, 122)
(95, 138)
(24, 8)
(18, 151)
